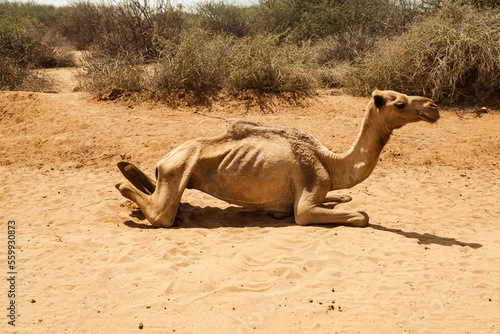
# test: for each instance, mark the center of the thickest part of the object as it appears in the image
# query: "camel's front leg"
(160, 207)
(309, 209)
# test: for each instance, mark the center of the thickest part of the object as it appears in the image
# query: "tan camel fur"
(280, 170)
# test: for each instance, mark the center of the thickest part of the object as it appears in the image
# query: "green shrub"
(29, 31)
(451, 56)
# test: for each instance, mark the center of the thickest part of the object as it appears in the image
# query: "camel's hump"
(243, 129)
(302, 144)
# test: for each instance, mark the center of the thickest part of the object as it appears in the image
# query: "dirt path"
(429, 263)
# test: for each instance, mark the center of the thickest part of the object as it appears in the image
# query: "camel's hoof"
(345, 198)
(120, 186)
(124, 190)
(362, 221)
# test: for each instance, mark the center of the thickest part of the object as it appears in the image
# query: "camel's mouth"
(428, 117)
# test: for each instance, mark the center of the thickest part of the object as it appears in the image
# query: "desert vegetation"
(447, 50)
(29, 41)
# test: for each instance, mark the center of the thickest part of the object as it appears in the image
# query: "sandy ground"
(88, 263)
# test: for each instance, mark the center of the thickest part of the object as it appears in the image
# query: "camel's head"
(399, 109)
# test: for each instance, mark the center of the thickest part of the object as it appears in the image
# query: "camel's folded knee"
(161, 221)
(304, 218)
(157, 218)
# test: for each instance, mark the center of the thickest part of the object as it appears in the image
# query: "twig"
(428, 207)
(366, 192)
(395, 193)
(146, 134)
(202, 114)
(460, 117)
(454, 204)
(489, 213)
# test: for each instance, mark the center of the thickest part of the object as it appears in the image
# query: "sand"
(88, 262)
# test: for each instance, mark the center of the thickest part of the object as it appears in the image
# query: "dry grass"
(261, 62)
(205, 63)
(27, 44)
(101, 71)
(198, 62)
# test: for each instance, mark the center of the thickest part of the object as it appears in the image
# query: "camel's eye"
(400, 105)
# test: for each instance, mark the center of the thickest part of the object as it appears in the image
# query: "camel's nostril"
(433, 106)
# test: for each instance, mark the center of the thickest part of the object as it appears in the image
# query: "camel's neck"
(355, 165)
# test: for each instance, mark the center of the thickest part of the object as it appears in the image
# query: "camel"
(279, 170)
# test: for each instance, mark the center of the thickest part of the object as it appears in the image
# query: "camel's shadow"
(190, 216)
(427, 238)
(209, 217)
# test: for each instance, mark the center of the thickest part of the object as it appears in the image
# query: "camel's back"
(243, 129)
(301, 144)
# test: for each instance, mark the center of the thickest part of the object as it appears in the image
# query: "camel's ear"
(378, 99)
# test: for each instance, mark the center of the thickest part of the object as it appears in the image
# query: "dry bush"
(205, 64)
(316, 19)
(21, 50)
(451, 56)
(197, 62)
(261, 62)
(82, 23)
(333, 56)
(101, 72)
(37, 81)
(12, 74)
(133, 26)
(221, 17)
(334, 76)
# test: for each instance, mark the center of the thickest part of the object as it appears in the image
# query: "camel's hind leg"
(160, 208)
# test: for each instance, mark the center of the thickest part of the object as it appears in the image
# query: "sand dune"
(89, 263)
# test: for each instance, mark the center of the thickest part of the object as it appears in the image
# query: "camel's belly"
(272, 207)
(261, 193)
(255, 177)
